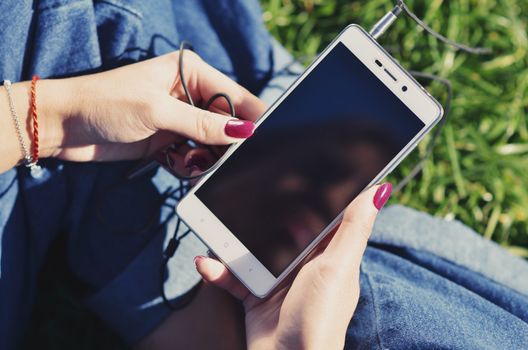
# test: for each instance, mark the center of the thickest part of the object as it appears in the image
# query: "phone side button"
(211, 254)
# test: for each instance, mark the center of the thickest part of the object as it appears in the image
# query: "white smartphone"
(344, 124)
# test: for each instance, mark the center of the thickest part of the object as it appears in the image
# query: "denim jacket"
(55, 38)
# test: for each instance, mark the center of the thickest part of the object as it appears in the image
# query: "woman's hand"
(133, 111)
(314, 310)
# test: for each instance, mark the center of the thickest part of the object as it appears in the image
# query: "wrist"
(52, 97)
(55, 105)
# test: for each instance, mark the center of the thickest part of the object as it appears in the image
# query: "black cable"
(184, 45)
(378, 29)
(174, 242)
(184, 186)
(187, 46)
(168, 253)
(440, 37)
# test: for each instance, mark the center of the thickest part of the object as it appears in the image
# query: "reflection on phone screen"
(311, 157)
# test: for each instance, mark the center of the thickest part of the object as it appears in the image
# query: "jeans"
(428, 283)
(425, 283)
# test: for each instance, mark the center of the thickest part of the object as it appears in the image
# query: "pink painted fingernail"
(197, 160)
(198, 259)
(382, 195)
(241, 129)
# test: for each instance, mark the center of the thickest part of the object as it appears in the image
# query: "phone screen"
(312, 156)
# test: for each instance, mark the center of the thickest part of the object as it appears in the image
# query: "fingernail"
(198, 259)
(196, 160)
(240, 129)
(382, 195)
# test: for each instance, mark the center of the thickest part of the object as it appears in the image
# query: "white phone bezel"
(224, 244)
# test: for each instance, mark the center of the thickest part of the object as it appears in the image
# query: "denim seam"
(448, 261)
(474, 292)
(374, 309)
(121, 6)
(450, 282)
(59, 5)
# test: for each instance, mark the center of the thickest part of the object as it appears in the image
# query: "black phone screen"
(312, 156)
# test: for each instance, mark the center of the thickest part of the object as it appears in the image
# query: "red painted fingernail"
(240, 129)
(197, 259)
(198, 161)
(382, 195)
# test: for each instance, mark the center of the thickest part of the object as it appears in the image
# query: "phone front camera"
(404, 88)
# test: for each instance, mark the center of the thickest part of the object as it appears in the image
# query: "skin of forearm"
(10, 149)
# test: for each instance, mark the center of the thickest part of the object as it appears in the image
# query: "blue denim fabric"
(426, 283)
(71, 37)
(432, 284)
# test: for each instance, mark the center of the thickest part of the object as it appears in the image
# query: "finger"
(350, 240)
(172, 160)
(200, 157)
(213, 271)
(200, 125)
(321, 246)
(210, 81)
(102, 153)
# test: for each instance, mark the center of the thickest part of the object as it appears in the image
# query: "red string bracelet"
(34, 117)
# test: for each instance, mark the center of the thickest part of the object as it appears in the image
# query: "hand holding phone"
(313, 310)
(347, 122)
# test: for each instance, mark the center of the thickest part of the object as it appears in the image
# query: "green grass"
(478, 173)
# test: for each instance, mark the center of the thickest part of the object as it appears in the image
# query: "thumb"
(350, 240)
(200, 125)
(214, 272)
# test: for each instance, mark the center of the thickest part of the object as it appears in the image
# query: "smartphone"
(344, 124)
